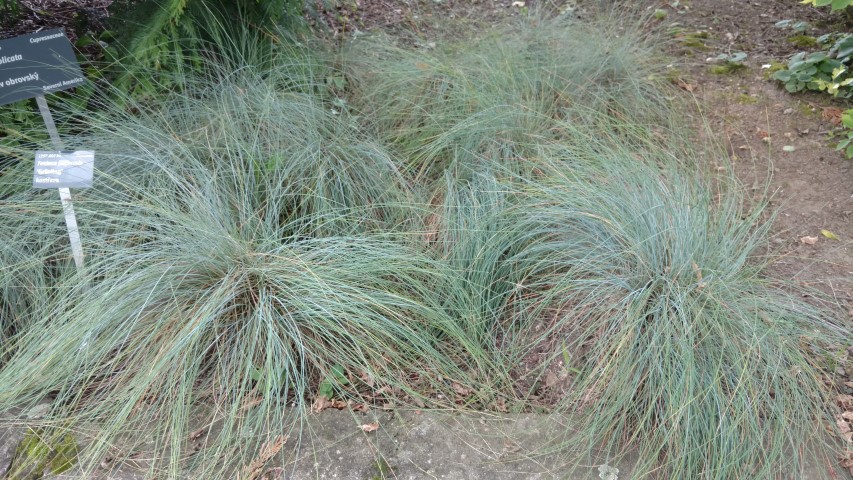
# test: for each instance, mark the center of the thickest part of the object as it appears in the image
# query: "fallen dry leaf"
(461, 390)
(251, 401)
(844, 401)
(847, 462)
(321, 403)
(842, 425)
(762, 133)
(690, 87)
(808, 240)
(367, 379)
(550, 379)
(273, 474)
(370, 427)
(383, 390)
(832, 114)
(829, 235)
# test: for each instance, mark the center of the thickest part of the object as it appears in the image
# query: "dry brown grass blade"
(254, 469)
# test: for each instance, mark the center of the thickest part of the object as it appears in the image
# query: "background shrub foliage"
(296, 225)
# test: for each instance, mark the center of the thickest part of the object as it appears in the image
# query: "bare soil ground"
(812, 185)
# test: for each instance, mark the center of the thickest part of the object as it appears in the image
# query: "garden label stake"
(33, 65)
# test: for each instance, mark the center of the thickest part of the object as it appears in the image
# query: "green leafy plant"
(334, 380)
(847, 143)
(159, 38)
(800, 26)
(827, 71)
(835, 4)
(10, 9)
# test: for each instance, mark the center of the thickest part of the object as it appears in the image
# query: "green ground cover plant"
(834, 4)
(826, 70)
(396, 224)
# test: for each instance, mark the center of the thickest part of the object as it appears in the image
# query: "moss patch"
(728, 68)
(745, 99)
(42, 450)
(805, 41)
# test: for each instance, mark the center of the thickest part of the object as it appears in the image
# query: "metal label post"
(64, 193)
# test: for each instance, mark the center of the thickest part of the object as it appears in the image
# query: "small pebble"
(788, 111)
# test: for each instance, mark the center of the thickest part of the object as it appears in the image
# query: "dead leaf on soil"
(844, 401)
(762, 134)
(847, 462)
(829, 235)
(842, 424)
(808, 240)
(367, 379)
(832, 114)
(198, 433)
(251, 401)
(690, 87)
(370, 427)
(550, 379)
(321, 403)
(462, 391)
(273, 474)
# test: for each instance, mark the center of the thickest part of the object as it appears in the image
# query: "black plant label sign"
(37, 64)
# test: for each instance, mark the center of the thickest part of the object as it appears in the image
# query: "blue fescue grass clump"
(209, 283)
(497, 98)
(245, 242)
(680, 350)
(390, 224)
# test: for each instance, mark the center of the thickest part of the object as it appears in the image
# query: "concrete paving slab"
(410, 446)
